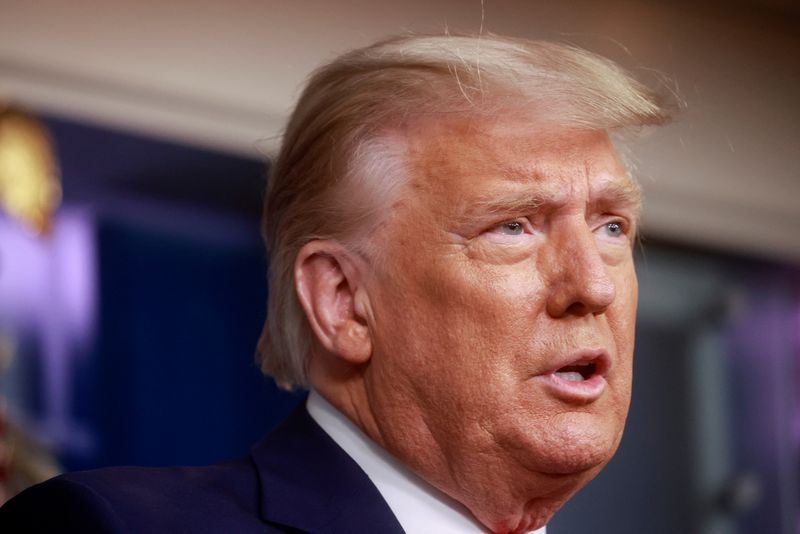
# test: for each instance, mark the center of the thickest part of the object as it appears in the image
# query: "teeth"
(572, 376)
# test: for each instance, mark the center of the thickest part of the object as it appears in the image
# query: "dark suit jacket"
(296, 480)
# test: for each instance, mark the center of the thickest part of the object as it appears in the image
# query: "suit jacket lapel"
(309, 483)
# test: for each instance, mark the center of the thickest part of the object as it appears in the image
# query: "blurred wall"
(135, 321)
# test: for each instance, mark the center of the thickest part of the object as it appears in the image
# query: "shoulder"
(59, 505)
(295, 480)
(219, 498)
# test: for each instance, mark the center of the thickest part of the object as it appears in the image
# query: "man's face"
(504, 307)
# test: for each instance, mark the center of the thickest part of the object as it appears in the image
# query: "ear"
(330, 290)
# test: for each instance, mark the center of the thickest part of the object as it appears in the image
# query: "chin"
(577, 458)
(547, 462)
(572, 444)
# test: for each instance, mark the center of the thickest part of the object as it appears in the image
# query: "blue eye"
(511, 228)
(614, 229)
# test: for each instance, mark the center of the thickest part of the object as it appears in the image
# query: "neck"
(497, 497)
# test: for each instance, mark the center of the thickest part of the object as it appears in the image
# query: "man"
(450, 231)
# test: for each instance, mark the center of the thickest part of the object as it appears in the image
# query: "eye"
(513, 232)
(511, 228)
(614, 229)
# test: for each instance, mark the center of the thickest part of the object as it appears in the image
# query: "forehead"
(460, 157)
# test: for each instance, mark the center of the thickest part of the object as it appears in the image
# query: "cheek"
(487, 303)
(623, 326)
(623, 319)
(459, 323)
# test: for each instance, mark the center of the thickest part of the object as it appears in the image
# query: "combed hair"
(339, 167)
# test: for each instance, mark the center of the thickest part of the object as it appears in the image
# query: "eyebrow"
(625, 192)
(509, 202)
(619, 193)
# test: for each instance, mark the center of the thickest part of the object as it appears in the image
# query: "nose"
(579, 281)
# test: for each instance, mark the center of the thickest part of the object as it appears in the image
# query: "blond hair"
(338, 168)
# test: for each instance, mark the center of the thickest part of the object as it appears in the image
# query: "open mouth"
(582, 379)
(577, 372)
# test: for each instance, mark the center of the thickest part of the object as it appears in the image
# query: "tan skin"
(508, 256)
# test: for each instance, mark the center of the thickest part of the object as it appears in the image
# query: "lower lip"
(583, 391)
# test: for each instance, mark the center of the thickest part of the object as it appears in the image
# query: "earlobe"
(329, 288)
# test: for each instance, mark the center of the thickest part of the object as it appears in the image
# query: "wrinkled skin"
(509, 251)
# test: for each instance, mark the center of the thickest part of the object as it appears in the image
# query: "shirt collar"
(418, 506)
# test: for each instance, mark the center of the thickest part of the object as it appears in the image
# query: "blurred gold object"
(30, 186)
(24, 460)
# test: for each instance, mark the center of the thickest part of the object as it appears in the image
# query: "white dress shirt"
(419, 507)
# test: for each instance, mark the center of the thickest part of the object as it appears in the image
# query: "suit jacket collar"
(309, 483)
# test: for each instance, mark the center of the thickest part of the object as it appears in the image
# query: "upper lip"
(599, 357)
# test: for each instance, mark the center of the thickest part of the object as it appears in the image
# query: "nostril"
(577, 308)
